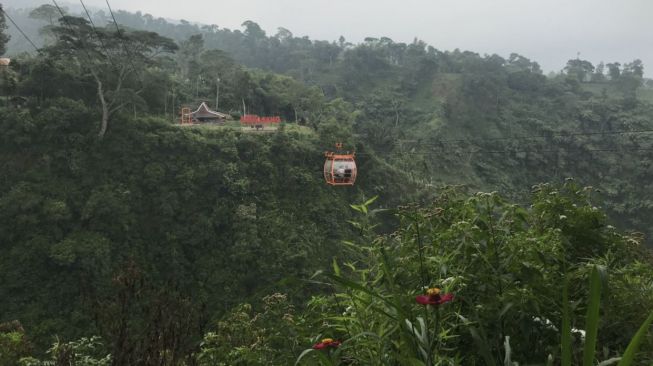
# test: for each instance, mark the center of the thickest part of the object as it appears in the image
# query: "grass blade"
(507, 360)
(592, 318)
(357, 287)
(483, 348)
(306, 351)
(629, 355)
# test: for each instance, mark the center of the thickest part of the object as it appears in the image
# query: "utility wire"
(97, 34)
(439, 146)
(19, 30)
(438, 143)
(72, 31)
(126, 49)
(431, 153)
(559, 134)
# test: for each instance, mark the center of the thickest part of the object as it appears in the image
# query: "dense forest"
(128, 239)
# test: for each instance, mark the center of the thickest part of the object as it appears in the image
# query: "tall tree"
(614, 70)
(116, 61)
(579, 69)
(46, 13)
(4, 37)
(189, 54)
(253, 30)
(631, 79)
(599, 73)
(636, 68)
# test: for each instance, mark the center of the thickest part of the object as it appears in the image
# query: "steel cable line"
(440, 147)
(559, 134)
(428, 153)
(72, 31)
(125, 48)
(97, 34)
(19, 30)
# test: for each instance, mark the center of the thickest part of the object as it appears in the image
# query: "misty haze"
(326, 182)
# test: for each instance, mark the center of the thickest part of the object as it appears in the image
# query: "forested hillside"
(452, 117)
(135, 240)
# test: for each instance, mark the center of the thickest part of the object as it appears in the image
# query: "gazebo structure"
(203, 114)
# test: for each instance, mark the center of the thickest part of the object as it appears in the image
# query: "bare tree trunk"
(108, 108)
(105, 108)
(395, 106)
(396, 118)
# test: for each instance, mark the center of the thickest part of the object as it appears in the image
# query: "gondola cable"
(97, 34)
(125, 48)
(574, 134)
(64, 17)
(20, 30)
(429, 153)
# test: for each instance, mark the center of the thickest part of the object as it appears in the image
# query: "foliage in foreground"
(511, 270)
(519, 279)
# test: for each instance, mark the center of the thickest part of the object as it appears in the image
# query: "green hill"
(206, 244)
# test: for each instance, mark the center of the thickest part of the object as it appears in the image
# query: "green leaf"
(336, 267)
(565, 334)
(355, 286)
(357, 208)
(323, 358)
(505, 309)
(482, 346)
(409, 361)
(507, 360)
(549, 360)
(370, 201)
(317, 273)
(629, 355)
(354, 338)
(609, 362)
(592, 318)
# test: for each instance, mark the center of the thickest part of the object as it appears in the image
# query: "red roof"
(254, 119)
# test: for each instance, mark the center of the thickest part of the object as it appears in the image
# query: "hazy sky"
(547, 31)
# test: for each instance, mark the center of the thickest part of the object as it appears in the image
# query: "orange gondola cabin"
(339, 168)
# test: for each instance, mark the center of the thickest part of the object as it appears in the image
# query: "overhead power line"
(19, 30)
(125, 48)
(97, 34)
(556, 134)
(482, 151)
(438, 145)
(72, 31)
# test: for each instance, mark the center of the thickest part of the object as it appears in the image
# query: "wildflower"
(327, 343)
(433, 297)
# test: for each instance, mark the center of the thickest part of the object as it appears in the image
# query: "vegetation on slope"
(140, 242)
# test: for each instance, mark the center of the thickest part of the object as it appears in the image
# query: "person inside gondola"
(340, 172)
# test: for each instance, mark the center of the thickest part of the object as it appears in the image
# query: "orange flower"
(326, 343)
(433, 297)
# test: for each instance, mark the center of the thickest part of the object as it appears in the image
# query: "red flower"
(326, 343)
(433, 297)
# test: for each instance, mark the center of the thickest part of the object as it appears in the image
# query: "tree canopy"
(214, 244)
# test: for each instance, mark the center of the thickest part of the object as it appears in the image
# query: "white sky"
(547, 31)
